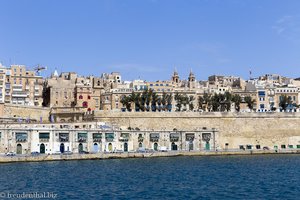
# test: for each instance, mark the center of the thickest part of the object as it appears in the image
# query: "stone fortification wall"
(265, 129)
(21, 111)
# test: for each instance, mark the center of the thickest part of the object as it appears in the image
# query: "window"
(283, 146)
(89, 97)
(80, 97)
(291, 146)
(85, 104)
(151, 84)
(298, 146)
(258, 146)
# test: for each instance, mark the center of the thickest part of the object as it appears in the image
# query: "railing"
(140, 139)
(123, 139)
(154, 139)
(174, 139)
(21, 140)
(109, 139)
(97, 140)
(63, 140)
(44, 139)
(82, 139)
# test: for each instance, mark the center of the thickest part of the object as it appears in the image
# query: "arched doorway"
(140, 145)
(62, 148)
(207, 146)
(96, 147)
(155, 146)
(42, 148)
(19, 149)
(110, 147)
(80, 148)
(125, 147)
(174, 147)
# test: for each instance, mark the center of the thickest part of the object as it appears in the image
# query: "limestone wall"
(21, 111)
(265, 129)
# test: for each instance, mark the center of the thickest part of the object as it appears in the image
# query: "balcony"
(97, 140)
(97, 137)
(19, 94)
(44, 139)
(63, 138)
(109, 137)
(21, 140)
(140, 138)
(82, 139)
(17, 89)
(154, 137)
(189, 137)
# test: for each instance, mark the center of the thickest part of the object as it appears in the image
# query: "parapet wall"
(21, 111)
(266, 129)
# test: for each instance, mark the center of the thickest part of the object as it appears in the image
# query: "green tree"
(250, 102)
(284, 102)
(237, 101)
(191, 102)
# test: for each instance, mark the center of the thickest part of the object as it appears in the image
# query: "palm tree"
(133, 99)
(215, 102)
(169, 101)
(228, 99)
(237, 101)
(148, 99)
(164, 101)
(250, 102)
(154, 99)
(184, 100)
(200, 102)
(143, 100)
(207, 100)
(178, 101)
(191, 102)
(126, 101)
(284, 102)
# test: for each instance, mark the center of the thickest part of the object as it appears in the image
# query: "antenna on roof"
(250, 74)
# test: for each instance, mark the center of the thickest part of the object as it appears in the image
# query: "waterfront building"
(99, 137)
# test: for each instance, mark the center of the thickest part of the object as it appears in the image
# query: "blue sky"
(149, 38)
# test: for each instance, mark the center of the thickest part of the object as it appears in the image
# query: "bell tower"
(175, 77)
(192, 80)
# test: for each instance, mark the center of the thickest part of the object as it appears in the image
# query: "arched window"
(89, 109)
(89, 97)
(85, 104)
(80, 97)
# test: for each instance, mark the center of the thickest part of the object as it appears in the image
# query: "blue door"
(96, 147)
(125, 147)
(62, 148)
(42, 148)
